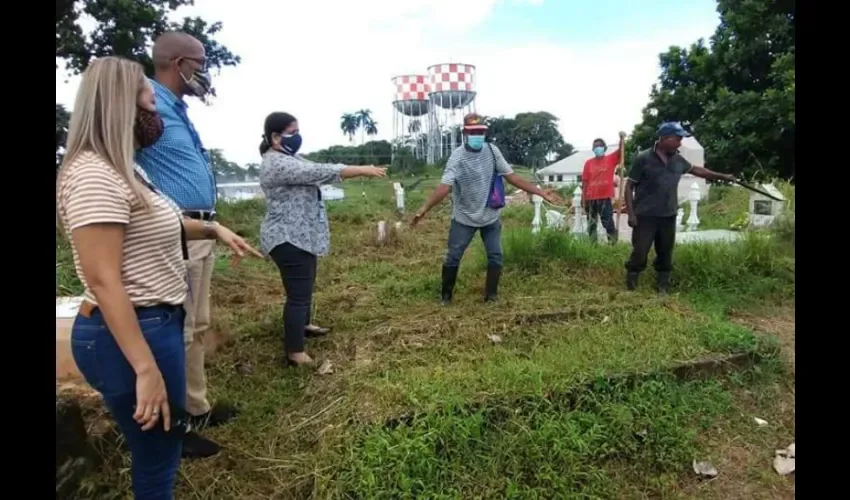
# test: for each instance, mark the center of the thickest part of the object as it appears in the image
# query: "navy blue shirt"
(177, 163)
(657, 183)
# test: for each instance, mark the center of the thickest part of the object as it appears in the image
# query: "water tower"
(452, 96)
(410, 116)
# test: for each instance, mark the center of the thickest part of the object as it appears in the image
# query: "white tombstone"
(555, 219)
(763, 210)
(399, 196)
(680, 214)
(578, 216)
(693, 198)
(537, 200)
(382, 231)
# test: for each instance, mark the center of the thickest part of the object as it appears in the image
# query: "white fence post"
(578, 216)
(693, 198)
(399, 196)
(535, 223)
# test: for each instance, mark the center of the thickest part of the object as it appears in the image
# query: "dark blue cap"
(672, 128)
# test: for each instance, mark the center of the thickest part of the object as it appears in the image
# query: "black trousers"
(660, 231)
(601, 209)
(298, 273)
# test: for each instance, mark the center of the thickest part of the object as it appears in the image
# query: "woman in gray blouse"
(295, 230)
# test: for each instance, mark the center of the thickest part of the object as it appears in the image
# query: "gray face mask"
(199, 84)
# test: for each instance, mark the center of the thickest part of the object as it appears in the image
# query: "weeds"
(474, 419)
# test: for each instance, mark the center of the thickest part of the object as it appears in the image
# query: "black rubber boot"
(632, 281)
(449, 278)
(663, 282)
(491, 287)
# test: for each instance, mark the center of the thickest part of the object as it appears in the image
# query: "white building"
(567, 171)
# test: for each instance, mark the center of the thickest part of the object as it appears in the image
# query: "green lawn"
(577, 400)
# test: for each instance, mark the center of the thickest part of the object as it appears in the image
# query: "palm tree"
(371, 128)
(349, 125)
(364, 119)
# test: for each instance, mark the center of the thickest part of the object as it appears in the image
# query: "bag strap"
(495, 170)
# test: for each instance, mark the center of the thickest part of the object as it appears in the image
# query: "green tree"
(371, 153)
(62, 119)
(366, 124)
(528, 138)
(224, 169)
(125, 28)
(348, 124)
(738, 95)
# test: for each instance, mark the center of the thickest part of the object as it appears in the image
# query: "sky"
(591, 64)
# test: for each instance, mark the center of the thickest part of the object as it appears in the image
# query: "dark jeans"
(155, 453)
(658, 230)
(460, 236)
(298, 272)
(602, 209)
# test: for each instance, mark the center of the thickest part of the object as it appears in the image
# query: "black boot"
(632, 281)
(449, 278)
(197, 446)
(663, 282)
(491, 288)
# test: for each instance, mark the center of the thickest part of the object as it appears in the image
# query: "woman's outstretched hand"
(372, 171)
(236, 243)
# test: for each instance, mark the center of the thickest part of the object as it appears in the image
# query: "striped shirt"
(470, 174)
(152, 268)
(177, 164)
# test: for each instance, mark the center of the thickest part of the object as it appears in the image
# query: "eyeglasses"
(200, 61)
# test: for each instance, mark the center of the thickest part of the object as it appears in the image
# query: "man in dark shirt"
(652, 202)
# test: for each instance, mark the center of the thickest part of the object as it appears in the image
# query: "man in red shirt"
(597, 187)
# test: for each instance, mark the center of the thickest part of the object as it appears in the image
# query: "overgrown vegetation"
(577, 399)
(737, 91)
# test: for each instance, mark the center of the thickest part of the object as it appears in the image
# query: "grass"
(577, 400)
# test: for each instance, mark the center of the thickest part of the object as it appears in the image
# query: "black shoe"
(449, 278)
(632, 281)
(197, 446)
(663, 282)
(216, 416)
(491, 287)
(317, 331)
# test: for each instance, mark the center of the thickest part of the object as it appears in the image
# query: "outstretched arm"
(440, 192)
(437, 196)
(711, 175)
(282, 170)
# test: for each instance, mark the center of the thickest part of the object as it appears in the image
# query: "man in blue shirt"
(180, 167)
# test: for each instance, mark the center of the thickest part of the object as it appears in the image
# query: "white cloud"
(322, 58)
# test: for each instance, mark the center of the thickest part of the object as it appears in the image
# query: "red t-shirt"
(597, 177)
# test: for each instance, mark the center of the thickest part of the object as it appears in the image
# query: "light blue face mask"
(598, 151)
(475, 142)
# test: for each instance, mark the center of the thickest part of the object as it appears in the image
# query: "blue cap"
(672, 128)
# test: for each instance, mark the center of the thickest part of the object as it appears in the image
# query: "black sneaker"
(216, 416)
(197, 446)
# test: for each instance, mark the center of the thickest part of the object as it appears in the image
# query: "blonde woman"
(129, 249)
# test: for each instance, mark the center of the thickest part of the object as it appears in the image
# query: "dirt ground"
(745, 465)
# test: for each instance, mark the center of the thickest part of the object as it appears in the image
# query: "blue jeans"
(155, 453)
(460, 236)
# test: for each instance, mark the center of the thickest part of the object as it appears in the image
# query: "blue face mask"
(290, 144)
(598, 151)
(475, 142)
